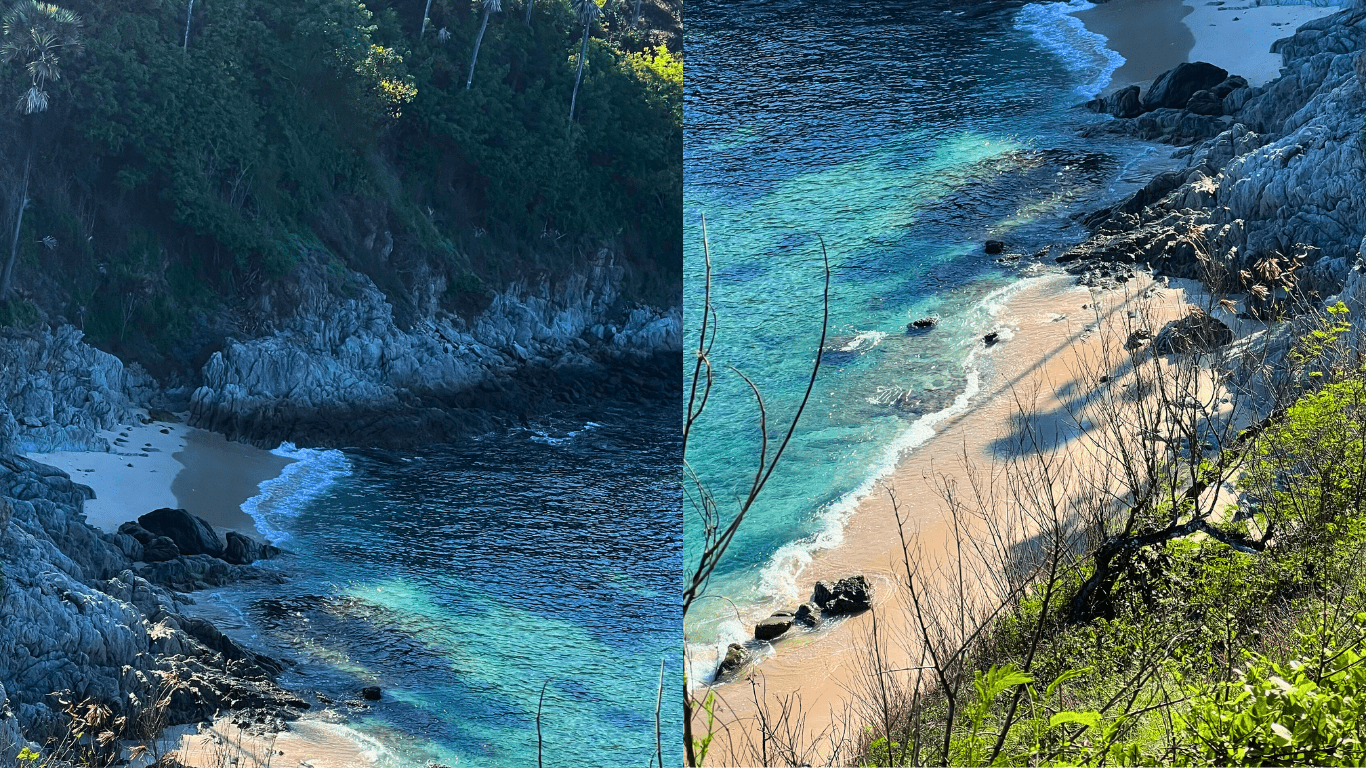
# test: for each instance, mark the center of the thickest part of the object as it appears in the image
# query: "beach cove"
(1040, 355)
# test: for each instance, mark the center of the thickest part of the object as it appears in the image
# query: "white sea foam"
(864, 341)
(1063, 35)
(282, 498)
(780, 577)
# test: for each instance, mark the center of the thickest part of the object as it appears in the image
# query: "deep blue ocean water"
(904, 134)
(461, 578)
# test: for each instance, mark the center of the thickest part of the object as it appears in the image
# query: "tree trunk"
(528, 13)
(477, 40)
(427, 10)
(6, 279)
(583, 52)
(635, 20)
(188, 14)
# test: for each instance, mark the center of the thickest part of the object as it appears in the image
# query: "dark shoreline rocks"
(442, 416)
(851, 594)
(79, 617)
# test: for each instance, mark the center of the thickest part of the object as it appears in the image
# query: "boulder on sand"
(1174, 88)
(1197, 331)
(809, 614)
(850, 594)
(191, 534)
(773, 626)
(736, 656)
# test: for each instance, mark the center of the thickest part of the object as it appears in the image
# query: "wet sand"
(1149, 34)
(310, 742)
(1056, 357)
(162, 464)
(1155, 35)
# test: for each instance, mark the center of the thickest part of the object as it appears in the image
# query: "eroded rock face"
(342, 371)
(77, 617)
(56, 392)
(1284, 178)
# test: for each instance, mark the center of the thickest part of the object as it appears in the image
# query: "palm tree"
(34, 32)
(588, 11)
(490, 6)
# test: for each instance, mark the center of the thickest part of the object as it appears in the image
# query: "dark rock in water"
(241, 550)
(848, 595)
(809, 614)
(1173, 126)
(1121, 103)
(736, 656)
(1197, 331)
(773, 626)
(1173, 88)
(159, 549)
(371, 693)
(1205, 103)
(991, 338)
(192, 534)
(995, 246)
(923, 324)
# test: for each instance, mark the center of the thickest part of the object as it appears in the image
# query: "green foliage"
(1308, 711)
(330, 119)
(19, 313)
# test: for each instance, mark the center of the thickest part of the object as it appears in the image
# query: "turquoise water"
(464, 578)
(905, 136)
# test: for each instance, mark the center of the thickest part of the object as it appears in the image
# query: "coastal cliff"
(340, 370)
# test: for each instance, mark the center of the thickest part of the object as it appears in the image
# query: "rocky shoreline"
(89, 620)
(100, 618)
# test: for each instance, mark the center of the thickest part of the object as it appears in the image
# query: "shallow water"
(904, 135)
(463, 578)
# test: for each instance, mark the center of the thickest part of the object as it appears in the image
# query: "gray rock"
(1197, 331)
(850, 594)
(736, 656)
(1121, 103)
(1205, 103)
(773, 626)
(808, 614)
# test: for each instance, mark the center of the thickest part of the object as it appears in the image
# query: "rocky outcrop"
(850, 594)
(1196, 331)
(78, 620)
(1173, 89)
(1282, 181)
(192, 534)
(342, 371)
(57, 393)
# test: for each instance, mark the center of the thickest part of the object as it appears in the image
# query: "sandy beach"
(311, 742)
(168, 464)
(1063, 337)
(1155, 35)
